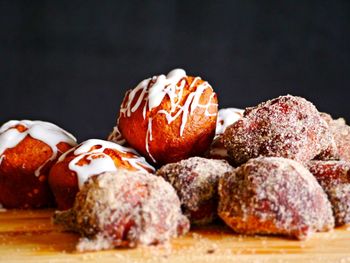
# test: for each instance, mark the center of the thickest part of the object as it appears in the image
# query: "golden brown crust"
(63, 183)
(19, 186)
(167, 145)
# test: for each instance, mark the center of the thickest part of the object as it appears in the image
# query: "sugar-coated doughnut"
(274, 195)
(124, 209)
(334, 177)
(195, 181)
(287, 126)
(341, 134)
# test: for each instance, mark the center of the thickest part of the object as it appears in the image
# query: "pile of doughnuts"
(174, 159)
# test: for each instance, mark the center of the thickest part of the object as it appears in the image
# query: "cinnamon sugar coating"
(287, 126)
(272, 195)
(196, 181)
(123, 209)
(341, 133)
(334, 177)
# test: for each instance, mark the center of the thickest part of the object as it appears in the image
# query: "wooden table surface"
(29, 236)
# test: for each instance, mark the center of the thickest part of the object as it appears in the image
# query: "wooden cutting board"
(29, 236)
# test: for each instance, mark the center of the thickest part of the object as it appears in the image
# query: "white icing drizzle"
(149, 138)
(227, 117)
(154, 90)
(99, 161)
(46, 132)
(157, 91)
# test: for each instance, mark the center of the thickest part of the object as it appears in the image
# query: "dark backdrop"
(70, 62)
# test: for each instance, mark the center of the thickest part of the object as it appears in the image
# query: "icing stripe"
(227, 117)
(99, 161)
(46, 132)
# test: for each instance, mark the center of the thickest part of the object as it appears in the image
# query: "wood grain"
(29, 236)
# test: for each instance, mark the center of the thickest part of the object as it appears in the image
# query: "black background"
(70, 62)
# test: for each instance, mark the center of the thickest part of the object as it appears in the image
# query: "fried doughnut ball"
(334, 177)
(274, 195)
(89, 158)
(196, 181)
(341, 133)
(28, 149)
(169, 118)
(226, 117)
(288, 126)
(123, 209)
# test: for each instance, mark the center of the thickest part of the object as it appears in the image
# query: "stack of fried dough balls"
(279, 187)
(278, 138)
(174, 159)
